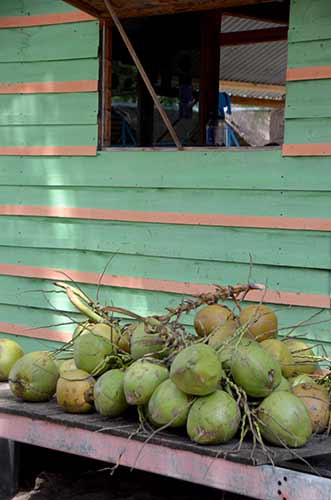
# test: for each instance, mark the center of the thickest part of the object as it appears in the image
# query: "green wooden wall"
(255, 183)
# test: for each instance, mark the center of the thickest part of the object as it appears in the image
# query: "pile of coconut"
(233, 377)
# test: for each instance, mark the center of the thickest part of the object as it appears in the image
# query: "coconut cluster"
(234, 370)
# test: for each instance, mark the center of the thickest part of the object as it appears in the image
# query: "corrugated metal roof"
(258, 63)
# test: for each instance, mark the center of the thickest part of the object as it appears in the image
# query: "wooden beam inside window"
(228, 85)
(105, 84)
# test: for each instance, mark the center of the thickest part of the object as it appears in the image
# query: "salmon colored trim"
(154, 285)
(36, 333)
(309, 73)
(44, 19)
(307, 149)
(48, 150)
(294, 223)
(49, 87)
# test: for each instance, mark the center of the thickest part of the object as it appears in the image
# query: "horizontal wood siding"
(308, 112)
(62, 52)
(154, 262)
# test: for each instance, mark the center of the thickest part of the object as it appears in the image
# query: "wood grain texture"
(46, 72)
(47, 43)
(49, 87)
(226, 220)
(44, 19)
(308, 73)
(79, 108)
(34, 7)
(312, 53)
(182, 288)
(308, 99)
(310, 20)
(215, 170)
(272, 247)
(308, 131)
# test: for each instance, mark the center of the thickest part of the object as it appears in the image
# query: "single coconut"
(168, 406)
(33, 377)
(10, 352)
(260, 320)
(109, 397)
(254, 368)
(282, 354)
(141, 379)
(196, 370)
(93, 353)
(317, 402)
(109, 332)
(66, 365)
(213, 419)
(222, 333)
(284, 420)
(144, 341)
(211, 317)
(74, 391)
(304, 361)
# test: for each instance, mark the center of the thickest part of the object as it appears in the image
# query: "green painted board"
(308, 131)
(52, 135)
(47, 43)
(49, 71)
(272, 247)
(49, 109)
(162, 268)
(30, 344)
(208, 201)
(309, 99)
(33, 7)
(310, 20)
(254, 170)
(312, 53)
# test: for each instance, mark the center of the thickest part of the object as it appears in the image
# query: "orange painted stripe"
(309, 73)
(154, 285)
(48, 150)
(36, 333)
(49, 87)
(44, 19)
(293, 223)
(307, 149)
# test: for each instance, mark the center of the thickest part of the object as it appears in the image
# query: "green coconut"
(196, 370)
(213, 419)
(284, 420)
(33, 377)
(222, 333)
(304, 361)
(301, 379)
(317, 402)
(280, 351)
(144, 341)
(255, 369)
(109, 397)
(141, 379)
(168, 406)
(10, 352)
(92, 353)
(284, 385)
(109, 332)
(74, 391)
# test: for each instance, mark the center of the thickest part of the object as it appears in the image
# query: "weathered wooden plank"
(308, 99)
(49, 71)
(274, 247)
(310, 20)
(308, 204)
(312, 53)
(188, 170)
(52, 135)
(49, 109)
(308, 131)
(33, 7)
(49, 43)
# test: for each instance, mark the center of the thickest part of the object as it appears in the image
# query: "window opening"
(219, 75)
